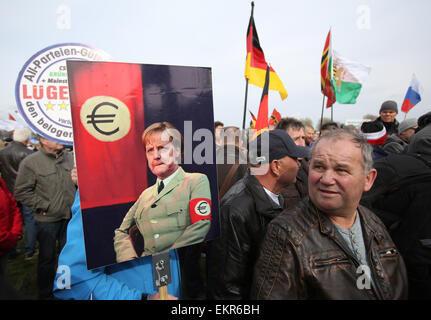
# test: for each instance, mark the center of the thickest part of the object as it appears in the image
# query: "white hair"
(21, 135)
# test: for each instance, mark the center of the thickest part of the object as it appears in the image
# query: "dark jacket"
(401, 197)
(245, 212)
(10, 158)
(395, 144)
(44, 184)
(391, 127)
(303, 256)
(378, 152)
(295, 192)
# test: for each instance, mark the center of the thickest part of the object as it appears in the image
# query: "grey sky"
(390, 36)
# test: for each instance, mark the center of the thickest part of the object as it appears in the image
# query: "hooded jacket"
(245, 211)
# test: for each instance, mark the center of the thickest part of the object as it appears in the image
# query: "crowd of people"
(338, 213)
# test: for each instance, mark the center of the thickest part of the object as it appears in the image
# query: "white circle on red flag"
(105, 118)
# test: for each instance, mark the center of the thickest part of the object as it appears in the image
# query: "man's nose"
(327, 177)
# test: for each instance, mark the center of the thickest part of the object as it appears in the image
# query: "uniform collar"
(168, 179)
(170, 183)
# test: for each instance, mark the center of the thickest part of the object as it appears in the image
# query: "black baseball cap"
(280, 144)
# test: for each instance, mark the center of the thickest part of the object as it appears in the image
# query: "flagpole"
(321, 117)
(246, 83)
(245, 104)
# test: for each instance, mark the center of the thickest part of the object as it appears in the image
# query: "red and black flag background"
(107, 164)
(110, 156)
(262, 117)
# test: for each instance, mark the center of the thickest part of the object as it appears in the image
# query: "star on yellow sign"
(63, 106)
(49, 106)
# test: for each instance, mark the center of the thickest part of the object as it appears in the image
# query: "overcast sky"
(390, 36)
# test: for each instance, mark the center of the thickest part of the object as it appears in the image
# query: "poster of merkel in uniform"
(145, 155)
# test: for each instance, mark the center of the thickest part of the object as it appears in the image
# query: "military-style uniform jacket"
(179, 216)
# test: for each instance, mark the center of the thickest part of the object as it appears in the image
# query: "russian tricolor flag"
(413, 96)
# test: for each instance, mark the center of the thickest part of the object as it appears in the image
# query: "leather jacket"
(303, 256)
(245, 211)
(10, 158)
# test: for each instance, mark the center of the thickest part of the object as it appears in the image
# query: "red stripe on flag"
(108, 172)
(257, 59)
(407, 106)
(262, 117)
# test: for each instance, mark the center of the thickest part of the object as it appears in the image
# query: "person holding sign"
(132, 280)
(175, 211)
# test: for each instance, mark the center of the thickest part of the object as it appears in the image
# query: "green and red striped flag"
(325, 72)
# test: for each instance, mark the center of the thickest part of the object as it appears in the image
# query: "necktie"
(160, 187)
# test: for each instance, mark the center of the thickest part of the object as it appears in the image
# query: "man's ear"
(274, 167)
(370, 177)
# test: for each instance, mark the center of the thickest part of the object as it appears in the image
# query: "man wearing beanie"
(397, 143)
(375, 133)
(388, 112)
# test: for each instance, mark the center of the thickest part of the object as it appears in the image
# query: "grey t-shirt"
(355, 241)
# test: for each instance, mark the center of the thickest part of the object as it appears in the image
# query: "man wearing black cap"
(388, 112)
(247, 208)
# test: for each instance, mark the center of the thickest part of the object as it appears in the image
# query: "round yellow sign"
(105, 118)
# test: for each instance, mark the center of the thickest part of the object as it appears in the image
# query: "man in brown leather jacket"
(330, 247)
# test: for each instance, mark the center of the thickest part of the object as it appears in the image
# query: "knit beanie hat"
(374, 132)
(389, 105)
(407, 124)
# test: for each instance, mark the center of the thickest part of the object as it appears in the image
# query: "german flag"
(256, 64)
(262, 116)
(275, 118)
(325, 72)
